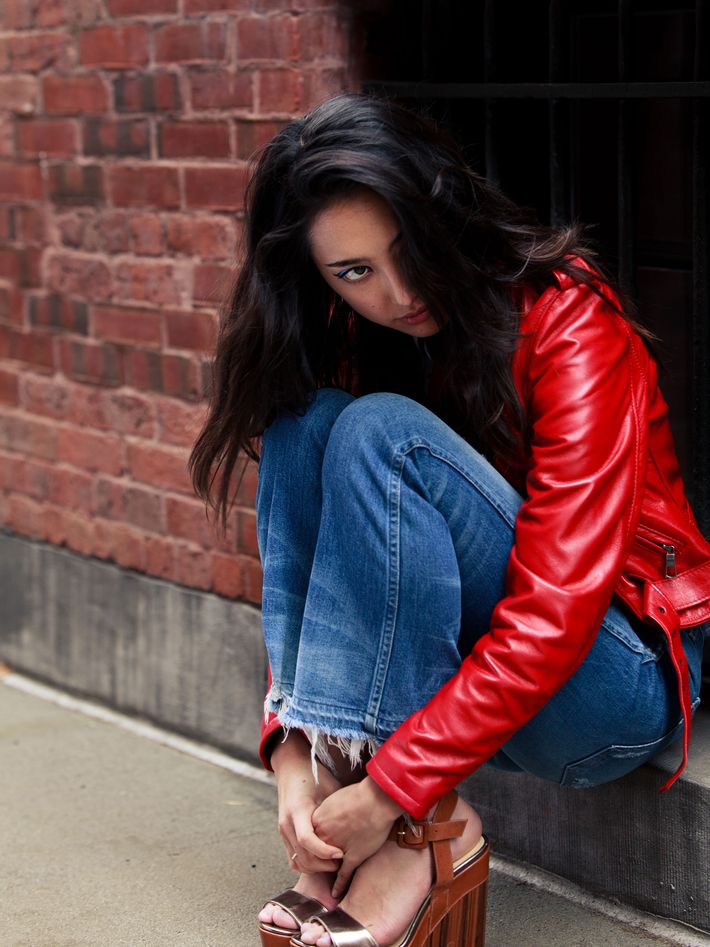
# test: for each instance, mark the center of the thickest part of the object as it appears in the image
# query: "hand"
(357, 819)
(298, 798)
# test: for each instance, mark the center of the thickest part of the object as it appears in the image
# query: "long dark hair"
(464, 247)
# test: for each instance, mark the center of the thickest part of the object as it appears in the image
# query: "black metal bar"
(558, 116)
(489, 73)
(543, 90)
(625, 221)
(700, 325)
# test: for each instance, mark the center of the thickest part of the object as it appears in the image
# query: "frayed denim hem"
(351, 743)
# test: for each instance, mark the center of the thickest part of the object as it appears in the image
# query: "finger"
(308, 840)
(342, 879)
(310, 865)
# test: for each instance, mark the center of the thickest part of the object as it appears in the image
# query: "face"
(354, 245)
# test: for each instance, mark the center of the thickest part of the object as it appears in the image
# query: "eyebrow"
(362, 259)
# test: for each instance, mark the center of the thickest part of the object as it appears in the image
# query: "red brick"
(19, 94)
(147, 93)
(107, 137)
(20, 432)
(11, 300)
(263, 38)
(220, 89)
(110, 47)
(146, 232)
(144, 508)
(94, 230)
(91, 363)
(246, 492)
(324, 35)
(130, 414)
(15, 15)
(72, 489)
(193, 139)
(206, 237)
(253, 579)
(320, 84)
(144, 186)
(251, 136)
(91, 451)
(190, 42)
(71, 183)
(168, 374)
(45, 396)
(212, 283)
(180, 423)
(33, 478)
(30, 223)
(187, 329)
(279, 90)
(84, 12)
(78, 532)
(217, 188)
(35, 52)
(78, 275)
(164, 284)
(9, 386)
(20, 181)
(25, 516)
(141, 7)
(87, 406)
(56, 137)
(58, 312)
(159, 557)
(279, 6)
(109, 498)
(246, 531)
(10, 264)
(74, 95)
(195, 7)
(127, 325)
(123, 544)
(159, 466)
(227, 576)
(193, 566)
(8, 226)
(32, 348)
(187, 520)
(48, 13)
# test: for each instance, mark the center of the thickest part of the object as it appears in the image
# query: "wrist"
(294, 749)
(375, 797)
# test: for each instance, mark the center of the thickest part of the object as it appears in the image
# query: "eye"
(354, 274)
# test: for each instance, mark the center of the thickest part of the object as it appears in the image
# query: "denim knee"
(324, 406)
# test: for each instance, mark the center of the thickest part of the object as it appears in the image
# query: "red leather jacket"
(604, 514)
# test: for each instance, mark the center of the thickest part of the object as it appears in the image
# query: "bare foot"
(389, 887)
(316, 886)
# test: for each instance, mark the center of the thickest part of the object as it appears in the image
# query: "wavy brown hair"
(464, 246)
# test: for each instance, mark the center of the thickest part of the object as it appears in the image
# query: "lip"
(418, 315)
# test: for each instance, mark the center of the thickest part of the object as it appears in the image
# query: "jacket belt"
(662, 603)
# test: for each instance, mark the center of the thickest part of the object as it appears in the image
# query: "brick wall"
(125, 126)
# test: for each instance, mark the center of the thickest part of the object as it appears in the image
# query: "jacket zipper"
(669, 552)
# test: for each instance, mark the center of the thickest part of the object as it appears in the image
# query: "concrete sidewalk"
(109, 838)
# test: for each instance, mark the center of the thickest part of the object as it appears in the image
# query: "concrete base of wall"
(195, 663)
(189, 660)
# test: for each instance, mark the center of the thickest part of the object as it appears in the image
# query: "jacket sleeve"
(270, 727)
(585, 393)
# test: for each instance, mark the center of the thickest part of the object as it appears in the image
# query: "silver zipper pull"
(670, 561)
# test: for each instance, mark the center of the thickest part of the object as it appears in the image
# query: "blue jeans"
(384, 539)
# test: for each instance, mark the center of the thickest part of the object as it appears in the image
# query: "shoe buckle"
(411, 836)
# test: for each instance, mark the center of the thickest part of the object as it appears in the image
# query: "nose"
(402, 294)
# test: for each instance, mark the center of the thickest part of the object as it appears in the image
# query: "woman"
(475, 540)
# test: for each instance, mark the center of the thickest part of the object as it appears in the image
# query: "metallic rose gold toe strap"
(344, 930)
(298, 905)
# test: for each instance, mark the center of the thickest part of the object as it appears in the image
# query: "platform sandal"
(453, 914)
(299, 906)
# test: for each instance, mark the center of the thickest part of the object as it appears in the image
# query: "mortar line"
(674, 932)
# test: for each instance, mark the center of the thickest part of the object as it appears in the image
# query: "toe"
(283, 919)
(266, 914)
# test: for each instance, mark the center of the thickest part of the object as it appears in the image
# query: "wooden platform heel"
(453, 914)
